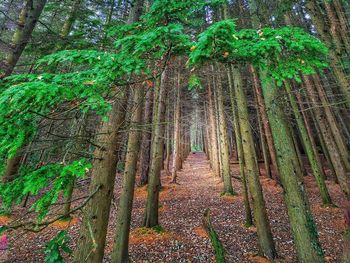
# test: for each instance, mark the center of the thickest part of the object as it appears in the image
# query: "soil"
(182, 238)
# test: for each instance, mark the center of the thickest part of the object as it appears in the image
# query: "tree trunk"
(177, 124)
(309, 149)
(121, 243)
(146, 138)
(213, 139)
(335, 60)
(343, 23)
(252, 170)
(92, 239)
(68, 24)
(248, 211)
(168, 138)
(328, 139)
(302, 223)
(265, 122)
(224, 149)
(333, 124)
(26, 23)
(152, 203)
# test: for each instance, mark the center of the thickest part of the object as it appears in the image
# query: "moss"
(248, 224)
(218, 247)
(232, 193)
(149, 231)
(159, 229)
(311, 225)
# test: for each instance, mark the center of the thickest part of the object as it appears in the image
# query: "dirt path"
(183, 206)
(181, 210)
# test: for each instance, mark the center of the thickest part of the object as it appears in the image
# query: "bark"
(68, 198)
(209, 147)
(331, 145)
(309, 149)
(310, 133)
(301, 220)
(11, 168)
(248, 211)
(322, 141)
(301, 166)
(263, 143)
(334, 56)
(92, 239)
(343, 23)
(78, 130)
(265, 122)
(27, 20)
(333, 124)
(13, 164)
(146, 138)
(177, 124)
(261, 220)
(223, 137)
(213, 139)
(265, 153)
(152, 203)
(217, 125)
(332, 25)
(121, 243)
(168, 138)
(67, 26)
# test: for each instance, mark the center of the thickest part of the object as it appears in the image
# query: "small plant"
(5, 211)
(159, 229)
(56, 246)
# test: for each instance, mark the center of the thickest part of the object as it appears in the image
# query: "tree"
(303, 227)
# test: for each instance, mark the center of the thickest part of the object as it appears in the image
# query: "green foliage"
(156, 42)
(26, 98)
(194, 82)
(86, 77)
(53, 177)
(87, 80)
(285, 51)
(55, 247)
(181, 12)
(219, 249)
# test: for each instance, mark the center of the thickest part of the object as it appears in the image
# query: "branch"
(32, 226)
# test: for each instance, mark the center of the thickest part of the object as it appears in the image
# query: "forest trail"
(181, 211)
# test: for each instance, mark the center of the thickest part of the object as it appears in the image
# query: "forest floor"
(182, 207)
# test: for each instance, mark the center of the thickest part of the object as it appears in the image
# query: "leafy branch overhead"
(286, 51)
(89, 80)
